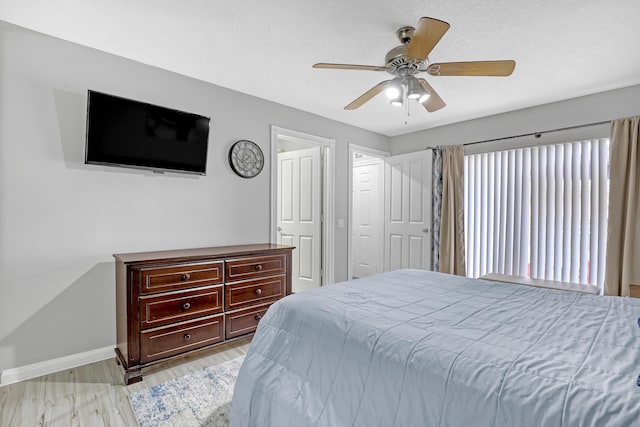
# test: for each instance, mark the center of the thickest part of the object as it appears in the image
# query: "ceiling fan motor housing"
(399, 64)
(397, 61)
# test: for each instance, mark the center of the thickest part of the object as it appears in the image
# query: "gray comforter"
(417, 348)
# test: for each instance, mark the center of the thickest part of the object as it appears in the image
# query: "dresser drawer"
(162, 279)
(253, 292)
(246, 268)
(168, 341)
(245, 321)
(158, 310)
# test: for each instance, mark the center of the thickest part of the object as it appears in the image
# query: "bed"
(418, 348)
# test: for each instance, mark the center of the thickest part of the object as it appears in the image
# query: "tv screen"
(124, 132)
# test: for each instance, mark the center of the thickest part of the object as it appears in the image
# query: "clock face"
(246, 159)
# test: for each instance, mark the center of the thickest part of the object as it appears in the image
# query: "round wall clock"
(246, 158)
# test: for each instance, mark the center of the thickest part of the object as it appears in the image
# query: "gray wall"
(577, 111)
(61, 220)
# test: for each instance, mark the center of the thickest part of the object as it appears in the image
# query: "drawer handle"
(258, 317)
(187, 337)
(186, 306)
(185, 276)
(258, 267)
(258, 291)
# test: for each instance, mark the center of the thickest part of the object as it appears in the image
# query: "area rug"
(200, 398)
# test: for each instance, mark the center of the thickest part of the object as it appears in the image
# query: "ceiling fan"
(404, 62)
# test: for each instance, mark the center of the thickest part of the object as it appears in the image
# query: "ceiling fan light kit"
(401, 89)
(404, 62)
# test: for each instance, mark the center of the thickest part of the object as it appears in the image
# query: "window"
(539, 212)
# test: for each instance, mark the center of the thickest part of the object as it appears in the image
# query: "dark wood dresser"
(170, 303)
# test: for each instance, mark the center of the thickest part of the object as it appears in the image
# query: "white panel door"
(298, 214)
(408, 211)
(367, 226)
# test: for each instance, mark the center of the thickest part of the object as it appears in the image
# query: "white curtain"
(539, 212)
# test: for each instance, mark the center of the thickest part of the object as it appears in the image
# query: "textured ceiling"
(266, 48)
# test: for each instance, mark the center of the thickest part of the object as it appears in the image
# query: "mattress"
(417, 348)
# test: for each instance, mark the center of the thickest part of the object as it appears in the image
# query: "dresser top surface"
(217, 251)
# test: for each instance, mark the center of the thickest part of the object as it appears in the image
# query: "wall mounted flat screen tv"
(128, 133)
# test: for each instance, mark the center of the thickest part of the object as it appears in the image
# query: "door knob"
(425, 230)
(279, 229)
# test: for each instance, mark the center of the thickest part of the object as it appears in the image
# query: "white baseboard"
(22, 373)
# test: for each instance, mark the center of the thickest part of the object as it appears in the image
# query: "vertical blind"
(539, 212)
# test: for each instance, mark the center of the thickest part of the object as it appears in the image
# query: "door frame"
(354, 148)
(327, 146)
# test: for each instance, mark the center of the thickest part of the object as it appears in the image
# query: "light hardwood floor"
(95, 394)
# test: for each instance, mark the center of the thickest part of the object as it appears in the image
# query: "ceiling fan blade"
(477, 68)
(434, 102)
(350, 67)
(426, 37)
(367, 95)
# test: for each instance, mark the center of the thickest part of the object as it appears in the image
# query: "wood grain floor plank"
(95, 395)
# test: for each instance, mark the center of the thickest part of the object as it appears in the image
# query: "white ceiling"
(563, 49)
